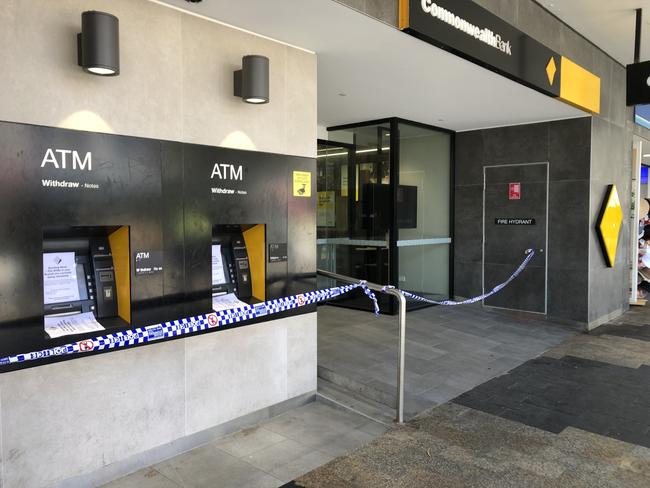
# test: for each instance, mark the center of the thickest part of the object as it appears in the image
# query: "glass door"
(423, 211)
(354, 207)
(375, 227)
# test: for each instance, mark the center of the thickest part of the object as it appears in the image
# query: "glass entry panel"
(354, 207)
(423, 210)
(375, 228)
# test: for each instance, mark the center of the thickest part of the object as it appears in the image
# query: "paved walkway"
(449, 350)
(267, 455)
(576, 417)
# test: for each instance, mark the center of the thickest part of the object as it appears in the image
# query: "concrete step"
(358, 389)
(339, 397)
(383, 395)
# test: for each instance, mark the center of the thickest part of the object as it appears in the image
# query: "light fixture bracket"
(237, 78)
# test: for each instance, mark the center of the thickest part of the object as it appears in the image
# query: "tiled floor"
(448, 350)
(575, 417)
(598, 383)
(267, 455)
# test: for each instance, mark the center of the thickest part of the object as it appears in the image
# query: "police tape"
(186, 326)
(530, 254)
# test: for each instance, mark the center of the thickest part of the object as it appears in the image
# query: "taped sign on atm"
(514, 191)
(85, 346)
(212, 320)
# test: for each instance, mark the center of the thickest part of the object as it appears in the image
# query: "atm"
(231, 271)
(238, 264)
(80, 273)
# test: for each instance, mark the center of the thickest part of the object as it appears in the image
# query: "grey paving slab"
(264, 456)
(452, 349)
(301, 466)
(314, 425)
(145, 478)
(208, 466)
(347, 442)
(272, 457)
(248, 441)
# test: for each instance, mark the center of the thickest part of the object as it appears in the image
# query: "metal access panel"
(515, 218)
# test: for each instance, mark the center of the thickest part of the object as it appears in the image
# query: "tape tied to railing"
(187, 326)
(530, 254)
(215, 320)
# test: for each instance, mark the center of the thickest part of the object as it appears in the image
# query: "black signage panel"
(148, 262)
(470, 31)
(278, 253)
(509, 221)
(71, 188)
(638, 90)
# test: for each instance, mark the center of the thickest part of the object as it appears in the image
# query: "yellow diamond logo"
(609, 225)
(551, 69)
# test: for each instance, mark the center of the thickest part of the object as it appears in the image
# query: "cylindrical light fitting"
(252, 81)
(98, 44)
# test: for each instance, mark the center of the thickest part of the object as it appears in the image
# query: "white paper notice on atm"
(59, 278)
(226, 302)
(218, 274)
(63, 325)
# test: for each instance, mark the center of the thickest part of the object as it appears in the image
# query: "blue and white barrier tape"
(530, 255)
(191, 325)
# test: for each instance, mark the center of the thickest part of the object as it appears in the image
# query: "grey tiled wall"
(611, 146)
(566, 145)
(610, 161)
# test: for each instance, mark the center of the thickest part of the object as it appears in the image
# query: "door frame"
(545, 250)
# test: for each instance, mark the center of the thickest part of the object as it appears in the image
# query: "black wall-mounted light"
(98, 44)
(252, 81)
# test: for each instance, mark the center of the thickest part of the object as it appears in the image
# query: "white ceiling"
(609, 24)
(384, 72)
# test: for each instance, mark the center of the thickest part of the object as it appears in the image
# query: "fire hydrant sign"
(514, 191)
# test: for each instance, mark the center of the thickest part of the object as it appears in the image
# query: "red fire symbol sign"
(514, 191)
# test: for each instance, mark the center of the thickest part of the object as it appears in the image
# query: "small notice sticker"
(514, 191)
(301, 184)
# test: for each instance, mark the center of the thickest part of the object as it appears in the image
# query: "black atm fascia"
(95, 276)
(234, 256)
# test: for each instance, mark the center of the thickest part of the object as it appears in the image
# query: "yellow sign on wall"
(301, 184)
(326, 207)
(579, 87)
(609, 225)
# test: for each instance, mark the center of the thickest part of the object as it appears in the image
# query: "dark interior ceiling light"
(252, 81)
(98, 43)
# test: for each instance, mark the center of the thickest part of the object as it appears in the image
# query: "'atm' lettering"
(62, 161)
(227, 172)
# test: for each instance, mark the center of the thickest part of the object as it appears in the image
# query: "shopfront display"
(105, 233)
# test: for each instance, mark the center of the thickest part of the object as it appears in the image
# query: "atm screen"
(219, 272)
(64, 280)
